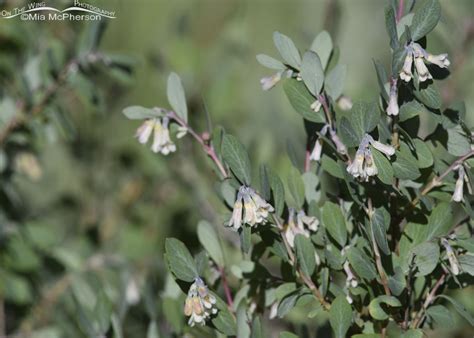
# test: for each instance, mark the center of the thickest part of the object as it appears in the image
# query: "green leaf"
(180, 261)
(348, 135)
(257, 331)
(340, 316)
(397, 282)
(423, 153)
(413, 333)
(312, 72)
(287, 303)
(246, 237)
(287, 334)
(467, 263)
(322, 45)
(176, 96)
(311, 190)
(301, 100)
(224, 321)
(140, 113)
(391, 26)
(411, 109)
(385, 170)
(305, 254)
(237, 158)
(269, 62)
(331, 167)
(361, 263)
(376, 310)
(364, 117)
(405, 167)
(426, 257)
(425, 19)
(460, 309)
(439, 221)
(458, 143)
(243, 327)
(441, 316)
(287, 49)
(382, 78)
(210, 241)
(334, 83)
(333, 221)
(430, 96)
(380, 223)
(398, 58)
(296, 187)
(278, 193)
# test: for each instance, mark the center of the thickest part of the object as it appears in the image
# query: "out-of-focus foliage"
(85, 210)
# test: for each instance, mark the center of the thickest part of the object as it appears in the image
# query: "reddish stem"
(228, 294)
(401, 4)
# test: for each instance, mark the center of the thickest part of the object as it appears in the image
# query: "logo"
(39, 11)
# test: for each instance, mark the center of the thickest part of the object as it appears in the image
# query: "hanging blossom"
(363, 165)
(392, 108)
(270, 81)
(299, 223)
(416, 54)
(453, 261)
(249, 208)
(199, 304)
(162, 142)
(318, 145)
(351, 280)
(458, 194)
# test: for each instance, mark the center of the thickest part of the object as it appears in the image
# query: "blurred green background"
(101, 194)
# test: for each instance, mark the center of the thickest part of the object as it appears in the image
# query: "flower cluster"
(199, 304)
(249, 208)
(299, 223)
(162, 142)
(416, 54)
(363, 165)
(458, 194)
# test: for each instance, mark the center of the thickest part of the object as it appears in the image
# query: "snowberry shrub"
(376, 251)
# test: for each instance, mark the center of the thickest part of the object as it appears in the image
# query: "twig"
(435, 182)
(22, 117)
(401, 4)
(429, 299)
(307, 280)
(208, 148)
(225, 285)
(378, 259)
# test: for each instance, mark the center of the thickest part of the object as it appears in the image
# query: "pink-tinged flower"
(317, 150)
(315, 106)
(458, 194)
(199, 304)
(406, 73)
(392, 108)
(270, 81)
(453, 261)
(299, 223)
(417, 54)
(440, 60)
